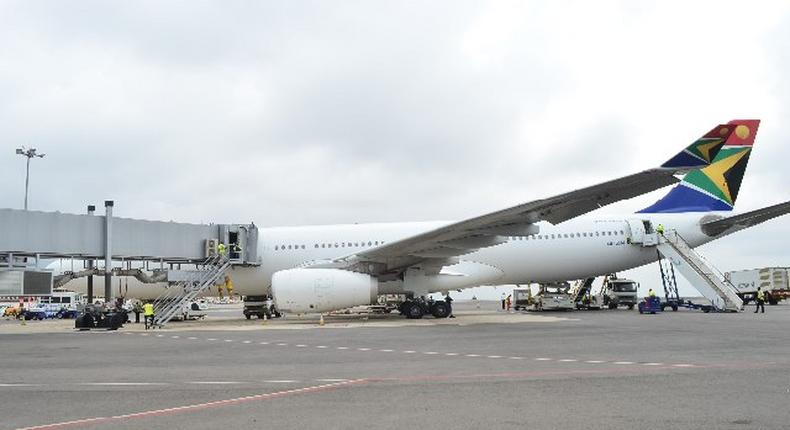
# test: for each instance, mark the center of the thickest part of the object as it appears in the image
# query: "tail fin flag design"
(713, 187)
(702, 151)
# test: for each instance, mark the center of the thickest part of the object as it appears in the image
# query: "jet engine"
(322, 290)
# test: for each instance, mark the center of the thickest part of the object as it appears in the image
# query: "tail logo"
(722, 179)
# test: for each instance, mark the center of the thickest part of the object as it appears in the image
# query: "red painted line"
(195, 407)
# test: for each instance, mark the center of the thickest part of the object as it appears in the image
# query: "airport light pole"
(29, 153)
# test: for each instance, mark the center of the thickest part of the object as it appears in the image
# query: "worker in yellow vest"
(221, 249)
(651, 293)
(760, 300)
(229, 286)
(148, 314)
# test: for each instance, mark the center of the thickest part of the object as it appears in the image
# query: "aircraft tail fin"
(713, 186)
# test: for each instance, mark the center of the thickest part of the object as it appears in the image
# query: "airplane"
(317, 269)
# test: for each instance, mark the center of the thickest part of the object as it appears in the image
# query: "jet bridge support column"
(108, 204)
(91, 209)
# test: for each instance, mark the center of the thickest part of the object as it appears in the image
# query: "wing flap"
(735, 223)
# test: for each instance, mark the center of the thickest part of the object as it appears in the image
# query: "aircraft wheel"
(414, 311)
(440, 310)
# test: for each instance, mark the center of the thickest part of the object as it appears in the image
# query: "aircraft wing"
(439, 247)
(735, 223)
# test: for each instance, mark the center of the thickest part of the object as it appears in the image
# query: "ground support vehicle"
(554, 297)
(650, 305)
(774, 282)
(94, 317)
(522, 298)
(259, 306)
(583, 296)
(619, 292)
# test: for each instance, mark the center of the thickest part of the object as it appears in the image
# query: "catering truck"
(774, 281)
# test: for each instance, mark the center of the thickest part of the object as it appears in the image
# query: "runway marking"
(198, 406)
(192, 338)
(409, 352)
(174, 337)
(228, 340)
(652, 364)
(516, 358)
(472, 355)
(363, 349)
(322, 346)
(282, 344)
(624, 362)
(263, 343)
(430, 352)
(683, 365)
(281, 381)
(20, 385)
(213, 382)
(451, 354)
(121, 384)
(211, 339)
(543, 359)
(332, 380)
(595, 361)
(160, 335)
(301, 346)
(342, 347)
(493, 356)
(385, 350)
(247, 341)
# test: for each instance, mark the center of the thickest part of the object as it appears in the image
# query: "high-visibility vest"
(760, 296)
(148, 309)
(652, 293)
(221, 248)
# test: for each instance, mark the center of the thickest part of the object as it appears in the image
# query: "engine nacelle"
(322, 290)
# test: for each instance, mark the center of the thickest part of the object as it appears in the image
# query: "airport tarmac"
(485, 368)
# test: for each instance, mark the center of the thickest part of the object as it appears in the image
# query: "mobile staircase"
(702, 275)
(181, 293)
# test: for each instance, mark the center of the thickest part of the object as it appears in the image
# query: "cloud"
(311, 112)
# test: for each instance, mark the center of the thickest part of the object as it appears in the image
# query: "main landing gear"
(417, 308)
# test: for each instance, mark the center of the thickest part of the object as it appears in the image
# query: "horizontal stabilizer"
(739, 222)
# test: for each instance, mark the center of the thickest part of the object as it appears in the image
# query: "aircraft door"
(636, 231)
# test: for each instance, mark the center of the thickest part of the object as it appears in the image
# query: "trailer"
(774, 282)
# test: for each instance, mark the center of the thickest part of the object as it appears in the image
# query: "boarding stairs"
(581, 289)
(180, 294)
(703, 276)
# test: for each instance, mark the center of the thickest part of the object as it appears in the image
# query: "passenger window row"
(330, 245)
(569, 235)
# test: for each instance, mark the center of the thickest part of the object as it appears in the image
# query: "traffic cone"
(265, 320)
(321, 321)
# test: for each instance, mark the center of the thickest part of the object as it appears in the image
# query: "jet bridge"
(33, 235)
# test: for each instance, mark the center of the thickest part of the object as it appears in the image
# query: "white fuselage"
(580, 248)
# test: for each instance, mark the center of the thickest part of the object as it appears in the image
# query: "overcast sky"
(288, 113)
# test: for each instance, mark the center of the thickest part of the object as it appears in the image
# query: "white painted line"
(567, 360)
(213, 382)
(493, 356)
(322, 346)
(516, 358)
(160, 335)
(281, 381)
(332, 380)
(174, 337)
(409, 352)
(228, 340)
(192, 338)
(385, 350)
(430, 353)
(247, 341)
(624, 362)
(20, 385)
(211, 339)
(282, 344)
(363, 349)
(301, 346)
(342, 347)
(683, 365)
(263, 343)
(595, 361)
(472, 355)
(652, 364)
(543, 359)
(450, 353)
(121, 384)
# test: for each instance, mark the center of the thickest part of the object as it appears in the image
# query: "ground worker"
(651, 293)
(760, 300)
(660, 229)
(449, 301)
(138, 309)
(229, 286)
(508, 302)
(148, 314)
(503, 301)
(221, 249)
